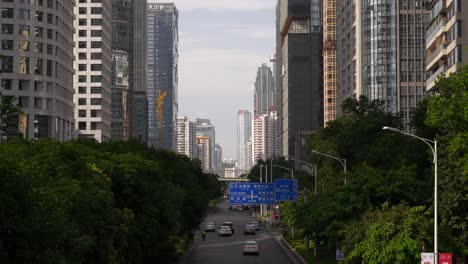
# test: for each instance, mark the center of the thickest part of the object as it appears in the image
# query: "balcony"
(433, 30)
(430, 82)
(435, 53)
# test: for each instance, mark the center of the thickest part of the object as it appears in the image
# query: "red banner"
(445, 258)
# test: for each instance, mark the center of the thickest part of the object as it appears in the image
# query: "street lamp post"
(340, 160)
(434, 153)
(261, 180)
(288, 169)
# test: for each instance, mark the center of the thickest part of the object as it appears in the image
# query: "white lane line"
(264, 237)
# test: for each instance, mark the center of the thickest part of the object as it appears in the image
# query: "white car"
(251, 247)
(224, 231)
(210, 227)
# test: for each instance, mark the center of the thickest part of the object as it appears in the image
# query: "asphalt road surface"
(227, 250)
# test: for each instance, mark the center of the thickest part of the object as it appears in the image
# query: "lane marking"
(265, 237)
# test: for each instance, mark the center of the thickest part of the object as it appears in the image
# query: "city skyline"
(238, 46)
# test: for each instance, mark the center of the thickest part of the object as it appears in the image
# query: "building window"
(23, 45)
(23, 65)
(7, 28)
(96, 67)
(81, 90)
(7, 44)
(96, 101)
(24, 14)
(81, 113)
(7, 64)
(82, 78)
(81, 101)
(94, 125)
(7, 12)
(7, 84)
(82, 125)
(82, 67)
(24, 30)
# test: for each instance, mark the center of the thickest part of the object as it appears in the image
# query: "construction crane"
(160, 104)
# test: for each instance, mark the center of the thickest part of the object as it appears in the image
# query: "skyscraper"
(37, 66)
(129, 103)
(329, 61)
(163, 39)
(93, 62)
(348, 50)
(186, 137)
(264, 94)
(218, 160)
(299, 52)
(244, 137)
(264, 137)
(392, 49)
(204, 152)
(204, 128)
(446, 38)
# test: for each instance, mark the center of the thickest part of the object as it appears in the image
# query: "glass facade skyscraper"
(162, 51)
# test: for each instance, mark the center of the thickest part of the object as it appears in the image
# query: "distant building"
(446, 39)
(264, 94)
(93, 72)
(244, 137)
(204, 152)
(300, 84)
(218, 160)
(120, 90)
(264, 137)
(162, 51)
(329, 61)
(186, 137)
(37, 67)
(204, 128)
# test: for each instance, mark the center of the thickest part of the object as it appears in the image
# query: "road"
(227, 250)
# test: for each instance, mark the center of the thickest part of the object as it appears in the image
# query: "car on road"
(255, 225)
(240, 208)
(224, 231)
(229, 224)
(210, 227)
(249, 230)
(251, 247)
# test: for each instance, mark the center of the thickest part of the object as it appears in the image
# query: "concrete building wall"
(37, 68)
(93, 62)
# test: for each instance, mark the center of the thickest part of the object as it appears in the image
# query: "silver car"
(224, 231)
(251, 247)
(210, 227)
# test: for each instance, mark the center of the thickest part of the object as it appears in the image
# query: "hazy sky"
(222, 43)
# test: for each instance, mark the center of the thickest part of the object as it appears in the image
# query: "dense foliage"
(384, 214)
(84, 202)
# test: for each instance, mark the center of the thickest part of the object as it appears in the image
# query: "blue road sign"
(286, 189)
(252, 193)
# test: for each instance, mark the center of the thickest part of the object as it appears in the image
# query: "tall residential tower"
(244, 143)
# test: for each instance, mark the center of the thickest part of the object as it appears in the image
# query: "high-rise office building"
(244, 137)
(391, 44)
(162, 47)
(120, 83)
(446, 37)
(204, 128)
(186, 137)
(329, 61)
(218, 160)
(129, 103)
(37, 66)
(299, 52)
(264, 137)
(204, 152)
(348, 50)
(93, 67)
(264, 94)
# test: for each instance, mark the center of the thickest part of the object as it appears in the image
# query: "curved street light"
(340, 160)
(288, 169)
(434, 153)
